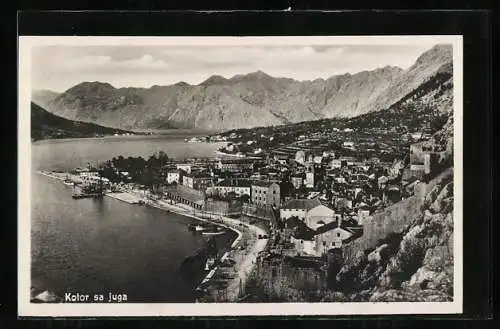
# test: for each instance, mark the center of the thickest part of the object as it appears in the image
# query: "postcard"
(232, 176)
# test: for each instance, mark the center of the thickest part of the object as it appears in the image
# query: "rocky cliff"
(244, 101)
(415, 263)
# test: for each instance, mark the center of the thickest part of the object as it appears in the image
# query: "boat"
(209, 264)
(46, 297)
(192, 140)
(68, 181)
(199, 228)
(213, 232)
(86, 195)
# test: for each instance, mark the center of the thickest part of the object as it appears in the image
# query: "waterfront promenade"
(244, 249)
(245, 258)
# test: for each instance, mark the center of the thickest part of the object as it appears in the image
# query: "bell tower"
(310, 172)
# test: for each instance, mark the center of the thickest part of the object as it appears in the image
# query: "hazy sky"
(61, 67)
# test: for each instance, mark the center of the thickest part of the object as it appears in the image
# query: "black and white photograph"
(240, 175)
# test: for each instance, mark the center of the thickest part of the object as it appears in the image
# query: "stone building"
(265, 194)
(298, 208)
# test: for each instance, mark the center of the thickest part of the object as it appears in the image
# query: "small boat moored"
(210, 263)
(218, 232)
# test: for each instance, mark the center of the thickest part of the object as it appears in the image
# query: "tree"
(245, 198)
(438, 122)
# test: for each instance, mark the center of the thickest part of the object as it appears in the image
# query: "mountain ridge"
(45, 125)
(245, 101)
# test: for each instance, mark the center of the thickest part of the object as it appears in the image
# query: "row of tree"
(138, 170)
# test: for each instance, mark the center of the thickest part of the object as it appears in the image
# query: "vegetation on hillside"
(425, 108)
(45, 125)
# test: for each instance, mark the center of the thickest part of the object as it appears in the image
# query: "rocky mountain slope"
(424, 109)
(416, 264)
(244, 101)
(45, 125)
(43, 97)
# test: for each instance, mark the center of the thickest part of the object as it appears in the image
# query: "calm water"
(69, 153)
(108, 246)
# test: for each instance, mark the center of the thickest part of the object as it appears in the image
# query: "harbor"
(241, 254)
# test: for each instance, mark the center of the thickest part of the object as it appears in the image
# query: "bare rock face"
(378, 254)
(442, 201)
(435, 60)
(411, 295)
(254, 99)
(416, 267)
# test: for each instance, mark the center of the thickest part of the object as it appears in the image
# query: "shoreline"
(243, 268)
(236, 156)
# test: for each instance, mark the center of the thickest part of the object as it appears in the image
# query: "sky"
(59, 67)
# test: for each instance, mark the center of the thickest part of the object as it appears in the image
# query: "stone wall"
(224, 208)
(262, 212)
(392, 219)
(285, 282)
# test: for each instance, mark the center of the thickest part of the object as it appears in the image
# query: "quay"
(125, 197)
(244, 256)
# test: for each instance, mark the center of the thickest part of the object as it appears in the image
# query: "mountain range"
(45, 125)
(245, 101)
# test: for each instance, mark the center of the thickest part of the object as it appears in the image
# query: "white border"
(25, 308)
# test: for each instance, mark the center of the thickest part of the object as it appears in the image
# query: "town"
(312, 196)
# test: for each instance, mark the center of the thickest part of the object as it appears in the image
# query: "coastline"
(247, 260)
(246, 256)
(235, 156)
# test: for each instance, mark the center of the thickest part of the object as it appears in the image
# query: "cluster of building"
(320, 200)
(314, 198)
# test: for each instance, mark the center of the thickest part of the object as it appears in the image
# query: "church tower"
(309, 175)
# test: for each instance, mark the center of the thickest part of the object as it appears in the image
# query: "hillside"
(245, 101)
(424, 109)
(45, 125)
(415, 264)
(42, 97)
